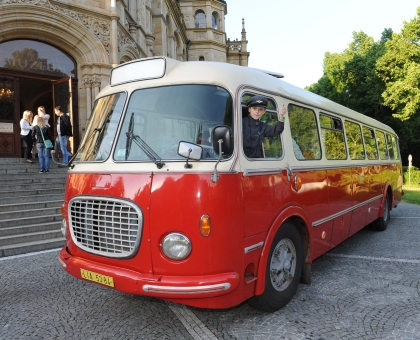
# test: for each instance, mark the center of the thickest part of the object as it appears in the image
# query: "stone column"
(114, 35)
(96, 82)
(87, 82)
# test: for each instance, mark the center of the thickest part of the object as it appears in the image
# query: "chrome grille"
(105, 226)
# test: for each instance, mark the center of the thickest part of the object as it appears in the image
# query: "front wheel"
(381, 223)
(284, 267)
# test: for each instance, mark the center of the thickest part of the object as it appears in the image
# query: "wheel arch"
(300, 220)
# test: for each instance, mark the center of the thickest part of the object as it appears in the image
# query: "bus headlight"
(176, 246)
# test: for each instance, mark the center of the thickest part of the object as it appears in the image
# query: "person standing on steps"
(40, 133)
(26, 133)
(64, 131)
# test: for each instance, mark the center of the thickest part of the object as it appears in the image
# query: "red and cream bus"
(161, 200)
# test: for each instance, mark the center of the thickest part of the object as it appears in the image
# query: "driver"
(254, 131)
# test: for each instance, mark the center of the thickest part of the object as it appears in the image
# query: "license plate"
(98, 278)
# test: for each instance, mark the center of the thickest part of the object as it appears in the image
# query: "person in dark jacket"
(43, 152)
(64, 131)
(254, 131)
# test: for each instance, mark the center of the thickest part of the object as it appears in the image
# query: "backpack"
(67, 124)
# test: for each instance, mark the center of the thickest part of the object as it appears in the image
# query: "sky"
(291, 37)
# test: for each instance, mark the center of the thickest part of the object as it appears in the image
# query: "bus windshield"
(155, 121)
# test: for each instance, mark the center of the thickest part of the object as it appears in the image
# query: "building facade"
(61, 52)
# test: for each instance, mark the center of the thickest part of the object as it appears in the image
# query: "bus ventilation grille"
(105, 226)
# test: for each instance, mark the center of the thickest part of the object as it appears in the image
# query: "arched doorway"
(33, 73)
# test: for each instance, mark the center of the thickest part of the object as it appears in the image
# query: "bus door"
(305, 158)
(375, 185)
(339, 203)
(360, 184)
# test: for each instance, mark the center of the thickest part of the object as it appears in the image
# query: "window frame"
(269, 110)
(334, 129)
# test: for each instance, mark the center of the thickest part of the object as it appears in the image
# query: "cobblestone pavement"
(366, 288)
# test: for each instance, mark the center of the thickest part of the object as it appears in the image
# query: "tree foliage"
(379, 79)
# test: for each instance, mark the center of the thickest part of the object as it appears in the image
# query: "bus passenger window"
(304, 131)
(389, 145)
(395, 147)
(333, 137)
(370, 142)
(271, 146)
(383, 152)
(354, 140)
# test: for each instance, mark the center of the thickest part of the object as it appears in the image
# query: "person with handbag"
(26, 133)
(42, 134)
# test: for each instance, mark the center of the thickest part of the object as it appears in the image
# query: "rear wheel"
(381, 223)
(284, 267)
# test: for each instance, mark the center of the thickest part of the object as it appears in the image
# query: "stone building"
(60, 52)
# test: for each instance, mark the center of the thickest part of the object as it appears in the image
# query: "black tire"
(381, 223)
(284, 268)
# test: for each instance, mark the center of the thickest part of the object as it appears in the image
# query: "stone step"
(30, 192)
(33, 177)
(29, 247)
(30, 228)
(19, 187)
(50, 178)
(30, 213)
(14, 222)
(30, 237)
(31, 205)
(52, 196)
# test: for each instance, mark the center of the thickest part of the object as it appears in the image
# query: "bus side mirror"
(190, 151)
(224, 134)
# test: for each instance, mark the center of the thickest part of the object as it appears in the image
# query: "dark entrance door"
(9, 117)
(65, 95)
(30, 92)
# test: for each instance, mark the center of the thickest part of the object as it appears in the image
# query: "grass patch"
(411, 195)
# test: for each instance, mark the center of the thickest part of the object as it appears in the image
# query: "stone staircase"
(30, 206)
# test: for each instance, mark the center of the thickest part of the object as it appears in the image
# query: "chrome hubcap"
(283, 265)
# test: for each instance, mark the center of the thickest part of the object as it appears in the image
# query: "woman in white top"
(43, 115)
(25, 133)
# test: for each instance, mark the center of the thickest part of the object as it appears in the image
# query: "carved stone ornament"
(87, 82)
(200, 35)
(125, 39)
(101, 28)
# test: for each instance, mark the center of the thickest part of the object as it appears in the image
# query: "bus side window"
(370, 142)
(354, 140)
(383, 152)
(304, 130)
(395, 147)
(272, 147)
(333, 137)
(389, 145)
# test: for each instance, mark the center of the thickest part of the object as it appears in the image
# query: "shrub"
(414, 176)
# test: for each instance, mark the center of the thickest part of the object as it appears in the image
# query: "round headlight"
(176, 246)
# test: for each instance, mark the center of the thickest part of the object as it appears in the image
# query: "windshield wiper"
(98, 140)
(141, 144)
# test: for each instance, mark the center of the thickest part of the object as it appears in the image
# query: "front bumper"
(161, 286)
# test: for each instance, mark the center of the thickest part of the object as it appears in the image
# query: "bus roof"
(230, 76)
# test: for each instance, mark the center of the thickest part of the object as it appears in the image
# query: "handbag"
(34, 150)
(48, 144)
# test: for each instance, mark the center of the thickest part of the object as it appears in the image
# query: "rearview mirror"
(224, 134)
(190, 151)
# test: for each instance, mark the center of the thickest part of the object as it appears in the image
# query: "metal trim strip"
(254, 247)
(343, 212)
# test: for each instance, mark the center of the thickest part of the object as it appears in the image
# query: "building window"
(201, 58)
(200, 19)
(214, 21)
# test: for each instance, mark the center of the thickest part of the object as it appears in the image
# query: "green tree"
(399, 68)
